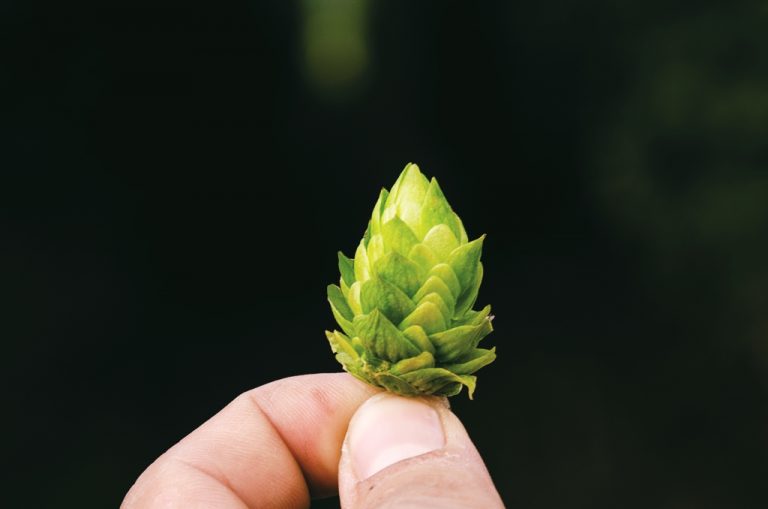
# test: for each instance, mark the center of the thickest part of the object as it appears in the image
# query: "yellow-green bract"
(404, 303)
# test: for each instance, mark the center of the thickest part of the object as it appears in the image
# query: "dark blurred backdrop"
(177, 178)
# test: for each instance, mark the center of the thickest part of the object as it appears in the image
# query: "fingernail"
(388, 429)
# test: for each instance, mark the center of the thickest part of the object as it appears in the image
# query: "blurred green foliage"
(680, 160)
(335, 45)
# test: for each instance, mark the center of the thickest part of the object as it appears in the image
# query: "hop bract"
(404, 303)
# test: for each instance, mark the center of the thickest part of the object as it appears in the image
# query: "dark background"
(177, 178)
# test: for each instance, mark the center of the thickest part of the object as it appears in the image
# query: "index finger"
(273, 446)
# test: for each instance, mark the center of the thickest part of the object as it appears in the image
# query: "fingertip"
(390, 429)
(409, 452)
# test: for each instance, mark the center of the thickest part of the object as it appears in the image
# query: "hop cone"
(404, 303)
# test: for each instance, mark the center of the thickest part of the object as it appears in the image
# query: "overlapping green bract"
(404, 303)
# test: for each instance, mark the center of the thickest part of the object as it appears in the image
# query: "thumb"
(411, 452)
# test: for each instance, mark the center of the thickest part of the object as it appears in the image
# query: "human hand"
(302, 437)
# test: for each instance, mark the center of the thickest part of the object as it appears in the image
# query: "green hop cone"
(404, 303)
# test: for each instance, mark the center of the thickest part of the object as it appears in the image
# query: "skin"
(284, 443)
